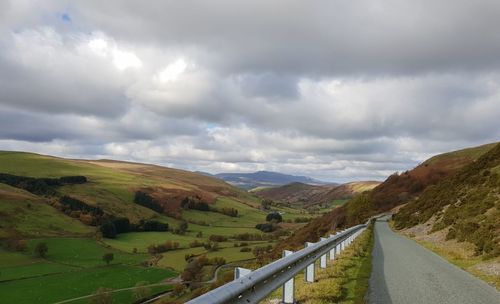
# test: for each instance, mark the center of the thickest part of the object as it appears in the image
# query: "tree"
(122, 224)
(102, 296)
(141, 290)
(41, 249)
(274, 216)
(182, 228)
(152, 225)
(108, 230)
(266, 227)
(266, 204)
(108, 257)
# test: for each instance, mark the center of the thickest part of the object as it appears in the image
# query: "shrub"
(266, 227)
(77, 179)
(217, 261)
(217, 238)
(40, 186)
(192, 271)
(211, 246)
(108, 257)
(229, 211)
(41, 249)
(145, 200)
(122, 224)
(141, 290)
(195, 243)
(245, 249)
(181, 228)
(108, 230)
(152, 225)
(275, 217)
(195, 203)
(78, 205)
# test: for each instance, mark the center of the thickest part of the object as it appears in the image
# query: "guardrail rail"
(253, 286)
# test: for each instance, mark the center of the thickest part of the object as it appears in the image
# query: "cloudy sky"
(337, 90)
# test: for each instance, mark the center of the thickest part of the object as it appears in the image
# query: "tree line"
(40, 186)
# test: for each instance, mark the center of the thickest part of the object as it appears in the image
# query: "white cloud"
(172, 71)
(182, 85)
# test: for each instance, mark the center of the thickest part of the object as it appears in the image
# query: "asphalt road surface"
(405, 272)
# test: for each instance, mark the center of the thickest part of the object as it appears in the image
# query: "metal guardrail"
(257, 284)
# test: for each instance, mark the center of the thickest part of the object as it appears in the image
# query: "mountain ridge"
(256, 179)
(306, 195)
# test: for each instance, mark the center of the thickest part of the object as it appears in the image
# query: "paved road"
(407, 273)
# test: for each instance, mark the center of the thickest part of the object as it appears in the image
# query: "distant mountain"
(304, 195)
(265, 179)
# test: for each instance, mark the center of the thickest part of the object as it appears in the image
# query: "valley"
(141, 230)
(31, 214)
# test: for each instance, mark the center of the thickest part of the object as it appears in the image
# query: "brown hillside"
(395, 190)
(304, 195)
(466, 204)
(175, 185)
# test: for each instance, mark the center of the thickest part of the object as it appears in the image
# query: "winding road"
(405, 272)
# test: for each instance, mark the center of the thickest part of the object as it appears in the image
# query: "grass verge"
(343, 281)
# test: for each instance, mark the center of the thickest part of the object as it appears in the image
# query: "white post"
(322, 259)
(309, 276)
(240, 272)
(332, 251)
(288, 287)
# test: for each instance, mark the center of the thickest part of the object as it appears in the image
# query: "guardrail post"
(240, 272)
(322, 259)
(309, 275)
(288, 296)
(332, 251)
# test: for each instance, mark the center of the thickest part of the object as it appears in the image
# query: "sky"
(336, 90)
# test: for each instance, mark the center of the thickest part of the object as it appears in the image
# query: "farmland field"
(73, 267)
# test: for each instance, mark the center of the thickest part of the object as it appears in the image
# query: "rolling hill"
(112, 184)
(264, 179)
(396, 190)
(466, 206)
(154, 220)
(304, 195)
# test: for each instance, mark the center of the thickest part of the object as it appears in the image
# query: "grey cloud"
(337, 90)
(315, 38)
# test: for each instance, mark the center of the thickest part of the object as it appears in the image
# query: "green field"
(82, 252)
(58, 287)
(73, 267)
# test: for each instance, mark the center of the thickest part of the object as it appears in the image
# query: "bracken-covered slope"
(467, 205)
(111, 186)
(305, 195)
(397, 189)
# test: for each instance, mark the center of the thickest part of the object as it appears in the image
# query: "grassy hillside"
(467, 205)
(30, 215)
(63, 202)
(395, 190)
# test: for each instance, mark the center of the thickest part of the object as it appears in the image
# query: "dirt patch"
(489, 268)
(421, 232)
